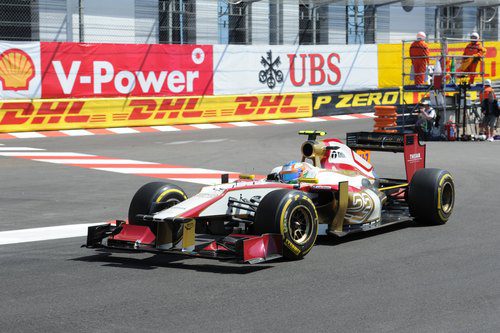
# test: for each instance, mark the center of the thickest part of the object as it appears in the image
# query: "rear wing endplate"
(414, 152)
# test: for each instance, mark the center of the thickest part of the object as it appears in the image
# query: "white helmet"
(474, 36)
(487, 82)
(421, 35)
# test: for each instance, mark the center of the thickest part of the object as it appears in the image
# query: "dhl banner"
(60, 114)
(390, 62)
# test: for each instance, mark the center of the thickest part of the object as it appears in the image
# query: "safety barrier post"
(385, 119)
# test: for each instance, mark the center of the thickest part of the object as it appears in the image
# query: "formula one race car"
(250, 220)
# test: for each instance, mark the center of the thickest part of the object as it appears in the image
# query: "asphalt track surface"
(402, 279)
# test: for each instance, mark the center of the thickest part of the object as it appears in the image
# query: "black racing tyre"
(431, 196)
(154, 197)
(291, 214)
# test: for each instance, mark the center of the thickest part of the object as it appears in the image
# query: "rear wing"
(414, 152)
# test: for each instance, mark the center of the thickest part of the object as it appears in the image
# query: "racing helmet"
(474, 36)
(291, 172)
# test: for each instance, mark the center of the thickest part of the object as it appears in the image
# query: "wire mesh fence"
(238, 22)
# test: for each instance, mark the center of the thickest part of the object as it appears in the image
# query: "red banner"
(100, 70)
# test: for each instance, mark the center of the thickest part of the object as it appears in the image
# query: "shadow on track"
(169, 261)
(333, 240)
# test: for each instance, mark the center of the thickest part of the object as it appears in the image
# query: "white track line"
(179, 142)
(179, 171)
(203, 181)
(243, 124)
(205, 126)
(77, 132)
(90, 161)
(344, 117)
(42, 154)
(165, 128)
(313, 120)
(19, 149)
(278, 121)
(122, 130)
(27, 135)
(42, 234)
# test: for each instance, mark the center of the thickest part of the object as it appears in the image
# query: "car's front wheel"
(152, 198)
(291, 214)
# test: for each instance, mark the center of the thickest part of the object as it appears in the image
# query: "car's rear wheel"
(431, 196)
(291, 214)
(152, 198)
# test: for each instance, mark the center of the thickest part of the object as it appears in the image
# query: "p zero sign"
(335, 103)
(103, 70)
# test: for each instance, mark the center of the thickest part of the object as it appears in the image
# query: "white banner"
(286, 68)
(20, 70)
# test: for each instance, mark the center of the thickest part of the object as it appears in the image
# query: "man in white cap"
(474, 52)
(487, 90)
(491, 112)
(419, 53)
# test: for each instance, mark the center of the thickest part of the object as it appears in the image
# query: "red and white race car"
(332, 191)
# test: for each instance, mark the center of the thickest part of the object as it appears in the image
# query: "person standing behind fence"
(419, 53)
(475, 51)
(491, 112)
(486, 91)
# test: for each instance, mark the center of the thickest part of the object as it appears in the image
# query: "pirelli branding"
(35, 115)
(336, 103)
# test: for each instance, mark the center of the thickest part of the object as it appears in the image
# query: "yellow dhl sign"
(37, 115)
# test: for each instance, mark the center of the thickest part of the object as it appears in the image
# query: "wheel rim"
(171, 202)
(300, 225)
(447, 198)
(164, 205)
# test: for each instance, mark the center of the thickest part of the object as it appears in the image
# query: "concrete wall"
(260, 22)
(146, 21)
(291, 22)
(207, 29)
(136, 21)
(124, 21)
(336, 24)
(53, 21)
(405, 25)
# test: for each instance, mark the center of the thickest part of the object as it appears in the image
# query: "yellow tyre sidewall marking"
(284, 228)
(172, 190)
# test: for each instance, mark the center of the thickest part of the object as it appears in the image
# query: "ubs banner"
(277, 69)
(336, 103)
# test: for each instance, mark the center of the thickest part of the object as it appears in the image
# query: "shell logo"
(16, 69)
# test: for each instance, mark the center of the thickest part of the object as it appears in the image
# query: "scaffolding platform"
(451, 87)
(449, 95)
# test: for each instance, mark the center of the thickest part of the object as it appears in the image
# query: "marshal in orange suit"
(474, 48)
(419, 49)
